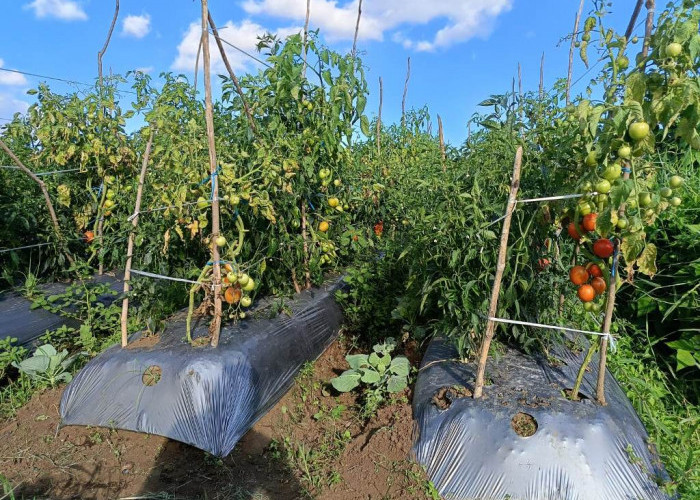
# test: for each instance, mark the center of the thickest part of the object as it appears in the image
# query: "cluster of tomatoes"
(237, 285)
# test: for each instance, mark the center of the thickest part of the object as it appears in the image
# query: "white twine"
(157, 209)
(163, 277)
(551, 198)
(24, 247)
(611, 339)
(39, 174)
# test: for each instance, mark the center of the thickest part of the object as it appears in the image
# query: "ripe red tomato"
(598, 285)
(379, 228)
(594, 270)
(88, 236)
(586, 293)
(578, 275)
(603, 248)
(573, 233)
(543, 263)
(589, 222)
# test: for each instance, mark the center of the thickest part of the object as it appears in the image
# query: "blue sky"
(461, 50)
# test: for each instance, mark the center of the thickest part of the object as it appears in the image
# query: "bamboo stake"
(405, 91)
(500, 268)
(357, 29)
(607, 322)
(441, 137)
(132, 235)
(101, 53)
(571, 53)
(196, 64)
(648, 27)
(44, 191)
(306, 35)
(215, 327)
(304, 236)
(231, 74)
(542, 76)
(379, 117)
(633, 19)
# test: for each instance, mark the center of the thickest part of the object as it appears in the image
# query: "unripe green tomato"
(243, 279)
(674, 49)
(346, 206)
(622, 63)
(235, 199)
(622, 223)
(232, 277)
(596, 307)
(111, 194)
(337, 183)
(650, 212)
(603, 186)
(612, 172)
(586, 37)
(220, 241)
(644, 199)
(588, 306)
(635, 39)
(601, 198)
(585, 208)
(639, 130)
(666, 192)
(591, 160)
(676, 181)
(624, 152)
(202, 202)
(675, 201)
(586, 187)
(631, 203)
(250, 286)
(246, 301)
(109, 203)
(241, 315)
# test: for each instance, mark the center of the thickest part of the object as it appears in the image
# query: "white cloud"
(243, 35)
(9, 105)
(144, 69)
(68, 10)
(136, 26)
(7, 78)
(463, 19)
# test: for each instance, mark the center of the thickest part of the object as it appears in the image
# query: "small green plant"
(380, 373)
(9, 353)
(47, 366)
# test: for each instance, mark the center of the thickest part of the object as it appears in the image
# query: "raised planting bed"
(203, 396)
(524, 439)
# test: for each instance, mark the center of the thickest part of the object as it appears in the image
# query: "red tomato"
(379, 228)
(594, 270)
(603, 248)
(586, 293)
(573, 233)
(578, 275)
(598, 285)
(543, 263)
(589, 222)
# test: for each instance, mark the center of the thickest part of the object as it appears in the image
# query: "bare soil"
(312, 444)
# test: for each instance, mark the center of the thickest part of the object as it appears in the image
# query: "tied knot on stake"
(611, 339)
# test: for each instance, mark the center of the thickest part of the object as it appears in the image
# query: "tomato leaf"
(647, 260)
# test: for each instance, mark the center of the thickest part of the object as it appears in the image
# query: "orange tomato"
(589, 222)
(603, 248)
(89, 236)
(233, 295)
(323, 226)
(594, 270)
(598, 285)
(586, 293)
(572, 231)
(578, 275)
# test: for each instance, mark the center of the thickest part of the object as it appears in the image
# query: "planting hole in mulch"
(523, 424)
(152, 375)
(445, 396)
(581, 396)
(144, 342)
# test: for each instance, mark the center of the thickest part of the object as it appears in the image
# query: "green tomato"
(622, 63)
(603, 186)
(595, 307)
(241, 315)
(202, 202)
(585, 208)
(235, 200)
(586, 187)
(250, 286)
(601, 198)
(231, 277)
(624, 152)
(644, 199)
(674, 49)
(220, 241)
(246, 301)
(591, 159)
(666, 192)
(639, 130)
(243, 279)
(346, 206)
(612, 172)
(588, 306)
(676, 181)
(111, 194)
(586, 37)
(337, 183)
(622, 223)
(675, 201)
(632, 203)
(649, 212)
(635, 39)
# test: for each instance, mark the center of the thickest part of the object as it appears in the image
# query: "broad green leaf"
(631, 247)
(370, 376)
(364, 125)
(396, 384)
(356, 361)
(400, 366)
(346, 381)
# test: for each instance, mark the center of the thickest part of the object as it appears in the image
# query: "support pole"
(379, 117)
(500, 268)
(405, 91)
(441, 137)
(357, 29)
(607, 322)
(571, 52)
(132, 235)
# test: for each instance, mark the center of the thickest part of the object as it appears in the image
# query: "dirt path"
(310, 445)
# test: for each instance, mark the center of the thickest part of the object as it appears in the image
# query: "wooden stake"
(571, 53)
(357, 29)
(607, 322)
(442, 143)
(379, 117)
(648, 27)
(132, 235)
(405, 91)
(304, 237)
(215, 327)
(101, 53)
(633, 19)
(500, 268)
(196, 64)
(306, 35)
(232, 75)
(44, 191)
(542, 76)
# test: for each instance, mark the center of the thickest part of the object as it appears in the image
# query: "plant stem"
(607, 322)
(582, 370)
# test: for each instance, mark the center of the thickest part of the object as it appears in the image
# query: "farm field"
(329, 303)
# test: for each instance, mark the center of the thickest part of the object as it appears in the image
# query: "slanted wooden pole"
(633, 19)
(405, 91)
(215, 326)
(379, 117)
(232, 75)
(357, 29)
(571, 52)
(500, 268)
(132, 235)
(607, 322)
(101, 53)
(542, 76)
